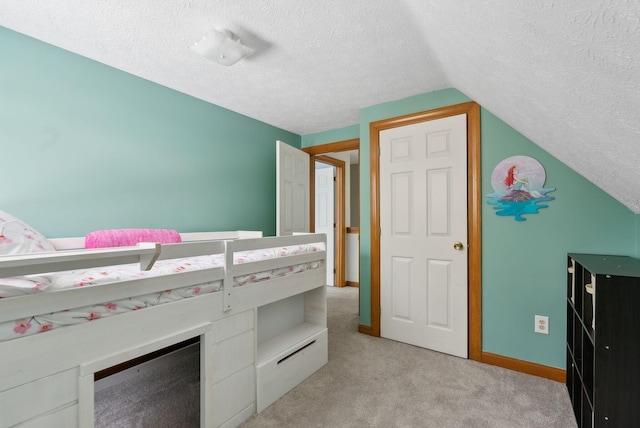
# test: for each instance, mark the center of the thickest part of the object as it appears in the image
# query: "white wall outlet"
(542, 324)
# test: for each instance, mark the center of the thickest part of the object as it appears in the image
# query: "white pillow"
(17, 237)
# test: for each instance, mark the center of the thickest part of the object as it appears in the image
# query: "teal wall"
(86, 147)
(523, 263)
(332, 136)
(637, 236)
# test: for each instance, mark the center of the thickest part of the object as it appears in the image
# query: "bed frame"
(257, 341)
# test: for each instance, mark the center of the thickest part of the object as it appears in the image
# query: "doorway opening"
(343, 156)
(326, 208)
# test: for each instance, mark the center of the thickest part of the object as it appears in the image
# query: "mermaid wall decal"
(518, 183)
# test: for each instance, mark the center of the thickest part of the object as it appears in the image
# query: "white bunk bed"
(257, 340)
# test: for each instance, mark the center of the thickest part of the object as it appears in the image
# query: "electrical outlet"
(542, 324)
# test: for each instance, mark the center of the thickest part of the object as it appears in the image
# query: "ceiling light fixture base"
(222, 47)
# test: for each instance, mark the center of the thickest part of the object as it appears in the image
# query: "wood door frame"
(474, 208)
(318, 153)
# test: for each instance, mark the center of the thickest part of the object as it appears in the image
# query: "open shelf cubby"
(292, 343)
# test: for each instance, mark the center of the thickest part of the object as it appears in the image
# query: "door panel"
(423, 200)
(438, 208)
(401, 296)
(325, 213)
(292, 190)
(438, 296)
(401, 205)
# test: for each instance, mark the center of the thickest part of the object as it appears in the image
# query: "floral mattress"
(11, 287)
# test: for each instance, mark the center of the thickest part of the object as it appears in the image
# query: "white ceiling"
(565, 73)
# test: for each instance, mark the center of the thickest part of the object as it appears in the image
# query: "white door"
(423, 215)
(292, 190)
(325, 213)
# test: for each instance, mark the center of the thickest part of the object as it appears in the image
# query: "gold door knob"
(458, 246)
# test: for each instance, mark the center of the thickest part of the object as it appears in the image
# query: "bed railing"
(145, 253)
(190, 249)
(234, 270)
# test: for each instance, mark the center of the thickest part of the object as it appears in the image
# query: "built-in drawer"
(48, 395)
(281, 373)
(232, 355)
(233, 398)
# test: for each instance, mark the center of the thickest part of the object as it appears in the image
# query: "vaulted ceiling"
(565, 73)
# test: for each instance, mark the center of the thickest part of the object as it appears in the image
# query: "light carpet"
(373, 382)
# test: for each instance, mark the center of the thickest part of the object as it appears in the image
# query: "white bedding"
(102, 276)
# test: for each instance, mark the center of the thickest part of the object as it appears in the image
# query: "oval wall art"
(518, 183)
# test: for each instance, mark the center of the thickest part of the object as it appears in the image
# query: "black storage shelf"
(603, 340)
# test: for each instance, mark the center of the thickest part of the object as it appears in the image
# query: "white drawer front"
(232, 355)
(279, 375)
(66, 417)
(27, 401)
(233, 325)
(233, 396)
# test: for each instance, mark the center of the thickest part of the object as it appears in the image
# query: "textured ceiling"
(564, 73)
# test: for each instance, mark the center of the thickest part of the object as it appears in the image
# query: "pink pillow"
(128, 237)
